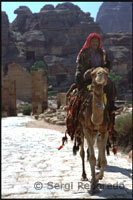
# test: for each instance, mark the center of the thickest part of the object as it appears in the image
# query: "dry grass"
(123, 126)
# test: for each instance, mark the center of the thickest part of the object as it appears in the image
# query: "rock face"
(5, 32)
(119, 48)
(115, 17)
(20, 24)
(56, 35)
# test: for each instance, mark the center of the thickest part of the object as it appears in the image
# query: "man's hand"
(87, 75)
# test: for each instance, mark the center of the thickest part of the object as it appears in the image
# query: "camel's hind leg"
(82, 154)
(88, 154)
(101, 144)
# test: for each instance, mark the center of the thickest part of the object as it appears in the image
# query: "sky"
(35, 7)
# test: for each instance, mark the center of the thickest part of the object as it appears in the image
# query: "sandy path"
(32, 166)
(43, 124)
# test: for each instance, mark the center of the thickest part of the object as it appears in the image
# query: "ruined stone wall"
(19, 85)
(23, 81)
(39, 92)
(8, 97)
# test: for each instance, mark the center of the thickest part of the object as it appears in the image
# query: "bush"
(116, 79)
(123, 126)
(52, 93)
(27, 110)
(36, 117)
(40, 65)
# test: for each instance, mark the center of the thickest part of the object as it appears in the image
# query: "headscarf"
(88, 42)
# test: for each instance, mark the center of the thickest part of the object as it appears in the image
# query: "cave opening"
(30, 55)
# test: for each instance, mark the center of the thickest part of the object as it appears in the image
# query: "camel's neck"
(97, 105)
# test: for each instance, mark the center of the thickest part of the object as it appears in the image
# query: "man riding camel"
(92, 55)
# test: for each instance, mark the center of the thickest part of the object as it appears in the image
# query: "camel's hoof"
(84, 179)
(94, 188)
(98, 177)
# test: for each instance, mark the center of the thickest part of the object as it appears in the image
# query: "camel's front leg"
(102, 141)
(92, 160)
(82, 154)
(98, 145)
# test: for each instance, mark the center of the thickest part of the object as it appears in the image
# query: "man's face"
(94, 43)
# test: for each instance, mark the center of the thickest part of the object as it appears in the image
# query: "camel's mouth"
(100, 81)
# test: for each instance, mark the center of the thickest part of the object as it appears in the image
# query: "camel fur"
(94, 123)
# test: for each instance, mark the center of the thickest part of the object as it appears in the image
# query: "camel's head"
(99, 75)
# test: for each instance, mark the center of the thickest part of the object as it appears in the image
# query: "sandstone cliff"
(115, 17)
(55, 35)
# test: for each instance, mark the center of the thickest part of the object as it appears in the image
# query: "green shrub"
(36, 117)
(52, 93)
(123, 126)
(116, 79)
(40, 65)
(27, 110)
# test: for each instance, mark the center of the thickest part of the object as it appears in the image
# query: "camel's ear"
(92, 69)
(106, 69)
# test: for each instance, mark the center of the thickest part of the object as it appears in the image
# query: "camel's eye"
(100, 73)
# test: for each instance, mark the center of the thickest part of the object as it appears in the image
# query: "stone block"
(61, 99)
(23, 81)
(39, 92)
(9, 97)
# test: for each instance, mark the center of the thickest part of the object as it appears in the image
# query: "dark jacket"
(84, 64)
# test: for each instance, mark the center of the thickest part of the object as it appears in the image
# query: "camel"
(94, 123)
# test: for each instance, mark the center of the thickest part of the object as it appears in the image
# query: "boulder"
(22, 10)
(22, 20)
(47, 7)
(55, 116)
(60, 123)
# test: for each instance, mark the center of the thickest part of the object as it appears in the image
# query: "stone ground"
(32, 166)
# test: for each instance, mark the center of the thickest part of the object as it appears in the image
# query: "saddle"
(76, 101)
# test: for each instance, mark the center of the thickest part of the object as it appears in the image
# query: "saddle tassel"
(64, 139)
